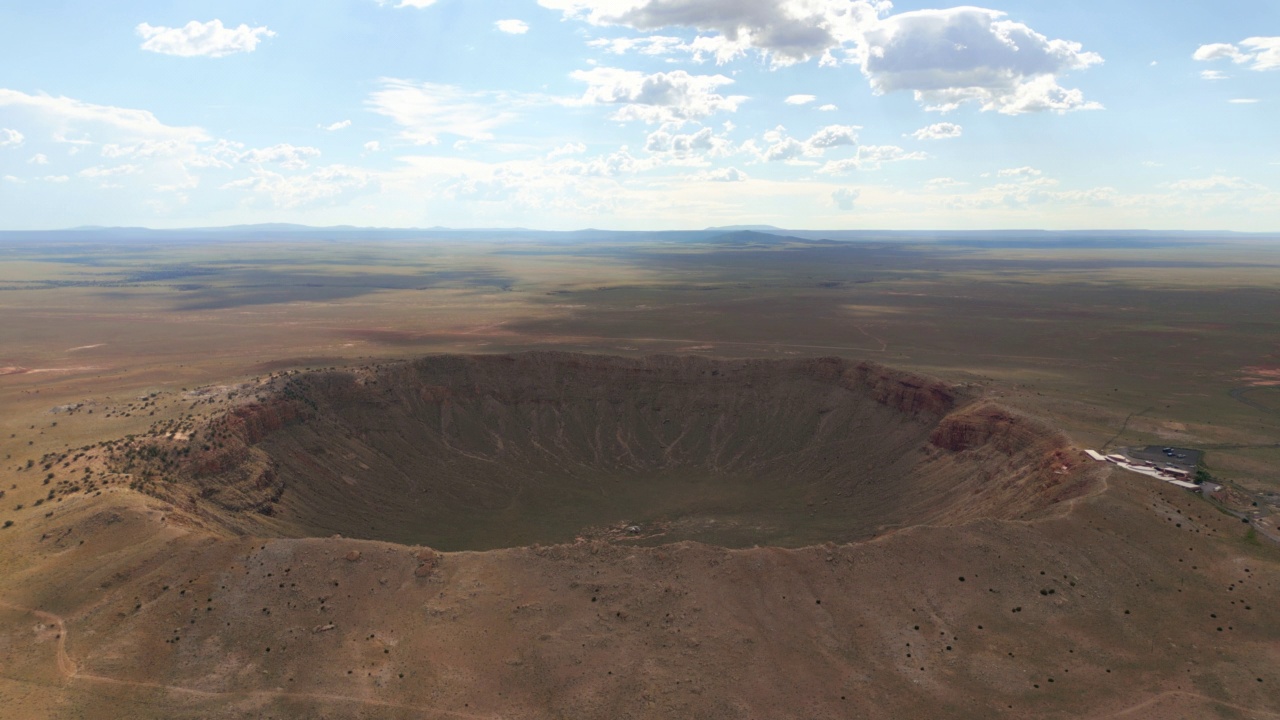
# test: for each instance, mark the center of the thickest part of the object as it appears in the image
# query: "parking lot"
(1182, 458)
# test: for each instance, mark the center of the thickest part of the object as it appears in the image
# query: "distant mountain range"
(729, 236)
(754, 228)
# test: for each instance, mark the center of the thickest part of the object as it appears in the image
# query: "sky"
(641, 114)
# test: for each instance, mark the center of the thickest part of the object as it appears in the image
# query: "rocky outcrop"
(1016, 463)
(217, 472)
(995, 426)
(252, 422)
(903, 391)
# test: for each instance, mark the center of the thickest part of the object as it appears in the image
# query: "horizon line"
(760, 228)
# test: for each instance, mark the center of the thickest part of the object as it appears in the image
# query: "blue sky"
(641, 114)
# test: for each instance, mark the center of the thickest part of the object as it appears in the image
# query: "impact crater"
(490, 451)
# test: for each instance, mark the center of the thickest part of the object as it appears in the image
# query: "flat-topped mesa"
(477, 452)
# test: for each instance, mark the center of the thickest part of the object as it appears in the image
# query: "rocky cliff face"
(218, 472)
(903, 391)
(994, 426)
(1021, 465)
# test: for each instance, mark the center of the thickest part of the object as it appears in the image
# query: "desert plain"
(734, 473)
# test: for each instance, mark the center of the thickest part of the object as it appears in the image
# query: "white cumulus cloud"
(1024, 171)
(208, 39)
(147, 148)
(945, 57)
(938, 131)
(968, 54)
(143, 153)
(1215, 183)
(617, 163)
(1259, 53)
(700, 49)
(372, 146)
(567, 149)
(845, 198)
(779, 146)
(783, 149)
(703, 143)
(674, 97)
(512, 27)
(719, 47)
(340, 125)
(10, 137)
(833, 136)
(327, 185)
(786, 31)
(800, 99)
(828, 108)
(729, 174)
(870, 157)
(285, 155)
(653, 45)
(1219, 51)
